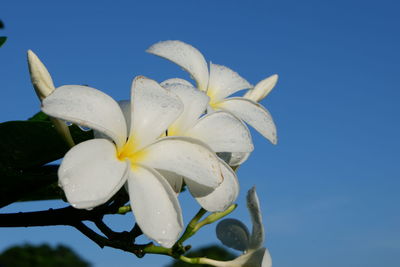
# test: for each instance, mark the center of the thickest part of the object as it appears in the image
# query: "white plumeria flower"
(218, 82)
(93, 171)
(220, 131)
(262, 89)
(234, 234)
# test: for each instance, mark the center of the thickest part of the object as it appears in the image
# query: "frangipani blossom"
(220, 131)
(234, 234)
(262, 89)
(93, 171)
(218, 82)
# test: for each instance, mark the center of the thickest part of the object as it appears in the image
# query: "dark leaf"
(28, 184)
(3, 39)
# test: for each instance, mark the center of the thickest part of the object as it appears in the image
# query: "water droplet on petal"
(68, 123)
(83, 128)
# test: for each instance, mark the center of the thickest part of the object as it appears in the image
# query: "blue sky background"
(330, 188)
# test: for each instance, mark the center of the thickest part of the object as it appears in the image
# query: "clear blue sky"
(330, 188)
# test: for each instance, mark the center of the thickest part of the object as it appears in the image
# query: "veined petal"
(223, 196)
(175, 81)
(153, 110)
(262, 89)
(155, 206)
(224, 82)
(257, 235)
(194, 102)
(233, 233)
(223, 132)
(184, 156)
(87, 107)
(186, 56)
(90, 173)
(252, 113)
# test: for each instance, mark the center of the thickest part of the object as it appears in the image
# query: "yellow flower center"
(129, 151)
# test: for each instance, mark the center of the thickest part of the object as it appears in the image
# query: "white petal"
(224, 82)
(175, 81)
(153, 110)
(125, 106)
(252, 113)
(233, 233)
(253, 204)
(223, 196)
(87, 107)
(223, 132)
(90, 173)
(267, 260)
(234, 158)
(184, 156)
(194, 102)
(174, 180)
(262, 89)
(186, 56)
(155, 206)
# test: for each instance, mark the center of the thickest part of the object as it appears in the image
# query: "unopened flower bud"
(262, 89)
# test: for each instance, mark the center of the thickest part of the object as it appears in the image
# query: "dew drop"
(68, 123)
(83, 128)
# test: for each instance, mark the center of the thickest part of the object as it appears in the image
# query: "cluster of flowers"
(167, 134)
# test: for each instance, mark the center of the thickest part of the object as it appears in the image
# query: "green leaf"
(28, 184)
(40, 116)
(28, 144)
(3, 39)
(25, 148)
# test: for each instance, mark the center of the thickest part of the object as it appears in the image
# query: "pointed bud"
(262, 89)
(44, 86)
(40, 77)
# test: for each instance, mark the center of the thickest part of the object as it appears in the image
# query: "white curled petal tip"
(153, 109)
(187, 157)
(223, 132)
(175, 81)
(233, 233)
(40, 76)
(224, 82)
(262, 89)
(253, 205)
(223, 196)
(90, 173)
(186, 56)
(234, 159)
(87, 107)
(253, 114)
(267, 260)
(155, 206)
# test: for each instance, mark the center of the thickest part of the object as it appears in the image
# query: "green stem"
(214, 217)
(192, 224)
